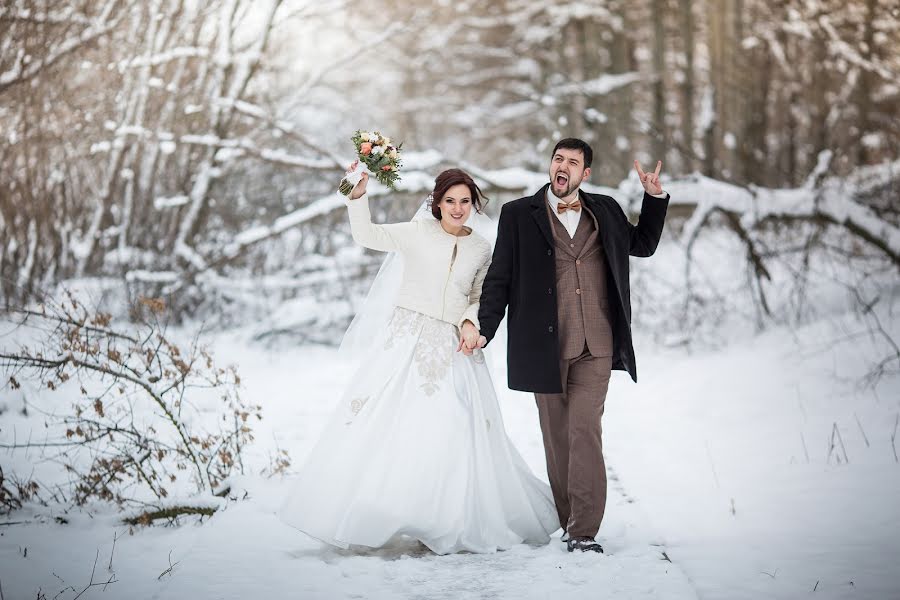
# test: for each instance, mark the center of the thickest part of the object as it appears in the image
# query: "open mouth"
(561, 179)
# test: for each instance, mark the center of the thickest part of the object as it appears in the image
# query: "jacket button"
(550, 329)
(550, 291)
(549, 252)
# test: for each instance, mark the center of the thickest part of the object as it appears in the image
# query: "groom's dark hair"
(576, 144)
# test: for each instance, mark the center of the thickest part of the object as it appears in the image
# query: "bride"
(417, 446)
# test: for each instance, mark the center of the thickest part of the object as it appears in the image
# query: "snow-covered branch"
(23, 70)
(164, 57)
(66, 16)
(756, 207)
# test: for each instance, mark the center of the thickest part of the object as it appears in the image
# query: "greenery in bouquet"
(381, 157)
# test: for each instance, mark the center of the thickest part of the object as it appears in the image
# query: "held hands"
(470, 339)
(360, 188)
(650, 181)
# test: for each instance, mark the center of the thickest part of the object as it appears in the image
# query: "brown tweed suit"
(570, 421)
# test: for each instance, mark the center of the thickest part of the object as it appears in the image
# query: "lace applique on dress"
(403, 323)
(357, 404)
(432, 354)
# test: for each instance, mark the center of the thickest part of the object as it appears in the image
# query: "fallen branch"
(148, 517)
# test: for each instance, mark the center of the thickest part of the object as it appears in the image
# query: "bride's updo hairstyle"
(446, 180)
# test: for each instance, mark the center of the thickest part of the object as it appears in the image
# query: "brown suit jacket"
(581, 302)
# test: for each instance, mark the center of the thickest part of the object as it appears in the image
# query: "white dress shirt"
(570, 218)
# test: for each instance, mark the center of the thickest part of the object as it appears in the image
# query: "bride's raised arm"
(386, 238)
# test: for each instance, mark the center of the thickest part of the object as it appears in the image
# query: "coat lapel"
(539, 213)
(600, 210)
(588, 217)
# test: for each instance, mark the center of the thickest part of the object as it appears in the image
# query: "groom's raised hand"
(650, 181)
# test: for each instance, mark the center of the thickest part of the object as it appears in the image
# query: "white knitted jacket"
(442, 273)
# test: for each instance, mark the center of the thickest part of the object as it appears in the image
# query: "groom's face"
(567, 171)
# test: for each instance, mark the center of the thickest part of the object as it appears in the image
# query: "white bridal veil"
(378, 306)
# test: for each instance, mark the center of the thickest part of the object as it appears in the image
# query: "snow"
(151, 276)
(163, 202)
(717, 460)
(850, 54)
(729, 140)
(202, 140)
(100, 147)
(595, 116)
(823, 161)
(832, 201)
(602, 85)
(164, 57)
(707, 114)
(421, 161)
(512, 178)
(287, 158)
(167, 146)
(221, 559)
(190, 255)
(760, 466)
(753, 487)
(873, 141)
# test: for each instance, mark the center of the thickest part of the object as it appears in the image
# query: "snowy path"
(720, 460)
(287, 560)
(244, 551)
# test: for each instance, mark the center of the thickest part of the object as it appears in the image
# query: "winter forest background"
(167, 177)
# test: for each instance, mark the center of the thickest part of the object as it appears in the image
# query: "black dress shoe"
(585, 544)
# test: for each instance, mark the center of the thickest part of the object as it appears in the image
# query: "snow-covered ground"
(721, 462)
(730, 455)
(723, 484)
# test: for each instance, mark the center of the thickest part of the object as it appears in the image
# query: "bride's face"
(456, 205)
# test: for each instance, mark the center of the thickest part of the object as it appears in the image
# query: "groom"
(561, 265)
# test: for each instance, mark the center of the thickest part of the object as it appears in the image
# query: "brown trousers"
(570, 424)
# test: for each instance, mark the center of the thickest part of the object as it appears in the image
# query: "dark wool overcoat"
(522, 276)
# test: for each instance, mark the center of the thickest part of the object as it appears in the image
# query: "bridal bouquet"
(377, 154)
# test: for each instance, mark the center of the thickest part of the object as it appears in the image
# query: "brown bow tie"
(562, 207)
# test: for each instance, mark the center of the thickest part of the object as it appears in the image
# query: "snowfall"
(760, 467)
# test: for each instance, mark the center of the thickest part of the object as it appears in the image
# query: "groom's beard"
(564, 192)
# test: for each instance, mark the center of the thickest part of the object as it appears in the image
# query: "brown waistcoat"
(581, 301)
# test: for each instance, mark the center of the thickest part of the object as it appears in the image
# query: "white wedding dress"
(417, 445)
